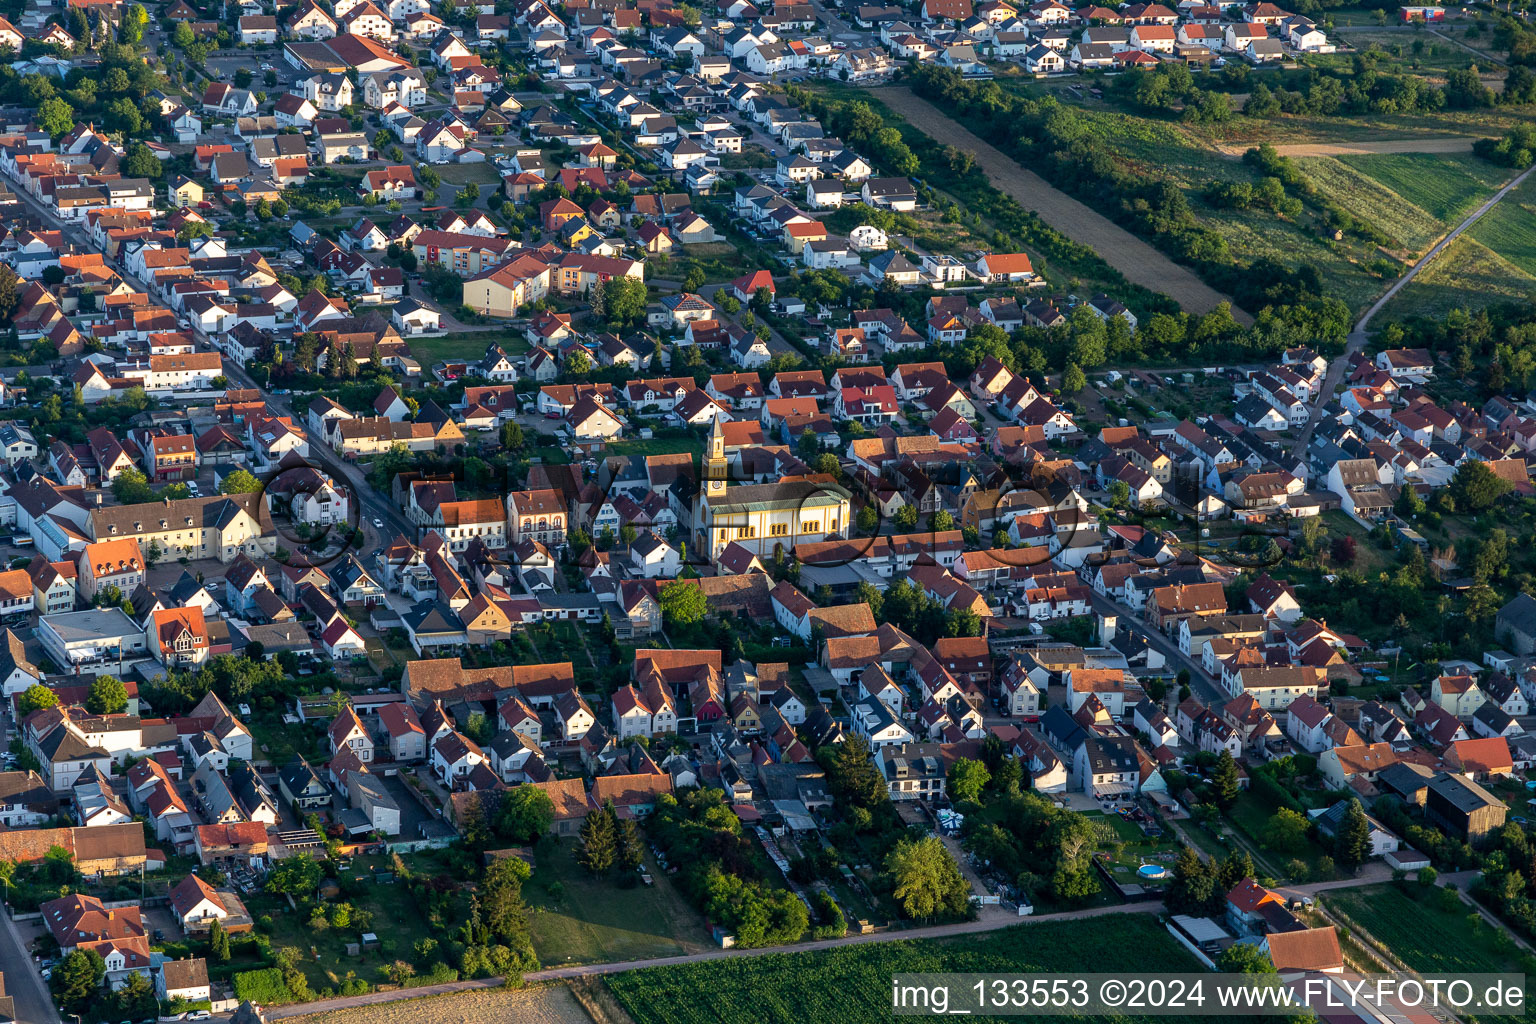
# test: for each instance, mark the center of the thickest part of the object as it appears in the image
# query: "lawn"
(469, 345)
(396, 920)
(1430, 931)
(1249, 815)
(463, 174)
(657, 446)
(852, 984)
(577, 919)
(1446, 186)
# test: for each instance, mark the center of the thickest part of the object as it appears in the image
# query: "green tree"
(131, 487)
(906, 517)
(682, 603)
(599, 842)
(853, 776)
(630, 854)
(869, 518)
(140, 162)
(926, 881)
(1244, 958)
(1352, 841)
(297, 876)
(107, 696)
(967, 780)
(77, 978)
(624, 299)
(240, 482)
(218, 942)
(526, 813)
(501, 901)
(35, 698)
(1475, 487)
(578, 363)
(55, 116)
(1072, 379)
(512, 436)
(941, 521)
(1224, 780)
(1193, 885)
(1286, 831)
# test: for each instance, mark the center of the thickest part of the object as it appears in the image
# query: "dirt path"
(1431, 144)
(540, 1004)
(1137, 260)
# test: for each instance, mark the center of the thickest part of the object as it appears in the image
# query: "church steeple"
(714, 461)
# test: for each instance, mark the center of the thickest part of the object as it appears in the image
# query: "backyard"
(578, 919)
(468, 345)
(1124, 848)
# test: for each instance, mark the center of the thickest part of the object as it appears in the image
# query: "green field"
(577, 919)
(1510, 229)
(1466, 275)
(852, 984)
(1447, 186)
(1373, 201)
(467, 345)
(1427, 934)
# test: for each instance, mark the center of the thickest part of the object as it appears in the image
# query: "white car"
(378, 524)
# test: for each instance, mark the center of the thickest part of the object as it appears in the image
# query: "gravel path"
(1134, 258)
(1431, 144)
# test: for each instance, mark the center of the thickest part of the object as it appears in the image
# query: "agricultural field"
(549, 1004)
(1447, 188)
(1414, 197)
(852, 984)
(577, 919)
(1429, 931)
(1370, 199)
(1511, 231)
(1469, 275)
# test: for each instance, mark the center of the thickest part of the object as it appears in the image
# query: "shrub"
(264, 987)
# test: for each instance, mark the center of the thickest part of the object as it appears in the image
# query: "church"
(767, 519)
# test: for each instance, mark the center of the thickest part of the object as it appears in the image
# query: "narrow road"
(597, 970)
(1358, 336)
(23, 984)
(1200, 683)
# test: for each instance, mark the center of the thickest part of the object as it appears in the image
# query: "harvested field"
(547, 1004)
(1134, 258)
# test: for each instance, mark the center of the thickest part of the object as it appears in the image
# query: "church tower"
(714, 462)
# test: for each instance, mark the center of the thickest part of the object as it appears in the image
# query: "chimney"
(1107, 625)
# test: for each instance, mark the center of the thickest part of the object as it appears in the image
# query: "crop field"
(1510, 229)
(852, 984)
(1428, 931)
(1445, 187)
(1467, 275)
(1372, 201)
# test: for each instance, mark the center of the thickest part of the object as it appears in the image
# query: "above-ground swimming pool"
(1152, 871)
